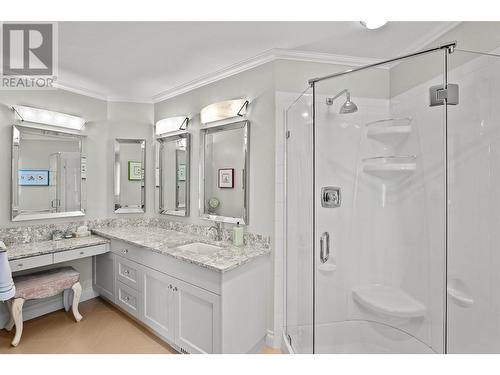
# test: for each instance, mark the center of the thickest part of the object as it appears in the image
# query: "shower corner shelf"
(390, 166)
(390, 131)
(387, 300)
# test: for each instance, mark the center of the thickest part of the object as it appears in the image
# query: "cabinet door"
(157, 302)
(104, 275)
(197, 319)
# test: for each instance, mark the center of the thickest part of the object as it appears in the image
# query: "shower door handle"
(324, 247)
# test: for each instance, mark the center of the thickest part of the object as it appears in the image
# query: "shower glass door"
(299, 224)
(379, 257)
(474, 204)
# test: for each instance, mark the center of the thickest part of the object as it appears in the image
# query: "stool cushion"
(45, 283)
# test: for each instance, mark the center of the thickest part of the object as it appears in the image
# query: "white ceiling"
(141, 60)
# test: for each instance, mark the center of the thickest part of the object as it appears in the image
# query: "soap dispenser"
(238, 235)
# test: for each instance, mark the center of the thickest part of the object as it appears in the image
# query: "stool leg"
(77, 292)
(10, 324)
(17, 314)
(67, 297)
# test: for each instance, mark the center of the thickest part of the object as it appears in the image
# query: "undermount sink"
(199, 248)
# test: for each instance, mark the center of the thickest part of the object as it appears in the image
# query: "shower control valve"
(330, 197)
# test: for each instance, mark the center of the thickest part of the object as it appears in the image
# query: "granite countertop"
(165, 241)
(19, 251)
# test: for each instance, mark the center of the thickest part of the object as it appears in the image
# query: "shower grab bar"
(324, 243)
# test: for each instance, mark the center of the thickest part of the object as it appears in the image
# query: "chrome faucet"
(57, 235)
(218, 230)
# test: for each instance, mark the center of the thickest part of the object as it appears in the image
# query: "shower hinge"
(438, 94)
(289, 339)
(287, 134)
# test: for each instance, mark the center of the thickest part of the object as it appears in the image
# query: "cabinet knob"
(82, 253)
(175, 289)
(127, 272)
(125, 251)
(19, 265)
(127, 298)
(170, 286)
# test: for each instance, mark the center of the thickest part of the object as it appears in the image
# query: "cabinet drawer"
(31, 262)
(128, 272)
(83, 252)
(128, 299)
(128, 251)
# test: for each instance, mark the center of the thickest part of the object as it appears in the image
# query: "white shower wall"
(379, 237)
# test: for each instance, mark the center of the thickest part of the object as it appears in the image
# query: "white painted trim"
(258, 60)
(79, 90)
(36, 308)
(98, 95)
(429, 37)
(242, 66)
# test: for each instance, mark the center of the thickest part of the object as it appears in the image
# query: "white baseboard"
(35, 308)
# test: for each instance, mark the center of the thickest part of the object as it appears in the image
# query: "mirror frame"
(118, 209)
(14, 191)
(158, 184)
(244, 220)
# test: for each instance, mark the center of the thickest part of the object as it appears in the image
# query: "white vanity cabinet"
(194, 309)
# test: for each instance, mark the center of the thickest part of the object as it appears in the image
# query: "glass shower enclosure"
(386, 249)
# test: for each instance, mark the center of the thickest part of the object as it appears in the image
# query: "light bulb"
(372, 25)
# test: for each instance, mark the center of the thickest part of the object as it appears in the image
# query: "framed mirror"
(48, 174)
(173, 174)
(129, 179)
(224, 172)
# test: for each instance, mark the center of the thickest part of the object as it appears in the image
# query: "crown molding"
(428, 38)
(261, 59)
(79, 90)
(258, 60)
(66, 86)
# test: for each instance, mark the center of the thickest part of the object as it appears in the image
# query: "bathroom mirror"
(129, 180)
(224, 172)
(173, 174)
(48, 174)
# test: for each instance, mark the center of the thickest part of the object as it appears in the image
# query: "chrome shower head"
(348, 106)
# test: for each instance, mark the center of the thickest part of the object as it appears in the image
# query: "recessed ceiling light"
(373, 24)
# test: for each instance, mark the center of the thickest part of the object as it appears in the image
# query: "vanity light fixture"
(372, 25)
(224, 110)
(171, 124)
(43, 116)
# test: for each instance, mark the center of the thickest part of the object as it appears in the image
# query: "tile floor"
(103, 330)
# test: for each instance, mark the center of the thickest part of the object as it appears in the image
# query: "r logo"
(27, 49)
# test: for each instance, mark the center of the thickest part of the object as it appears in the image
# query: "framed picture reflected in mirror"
(226, 178)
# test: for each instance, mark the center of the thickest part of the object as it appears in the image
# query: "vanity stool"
(42, 285)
